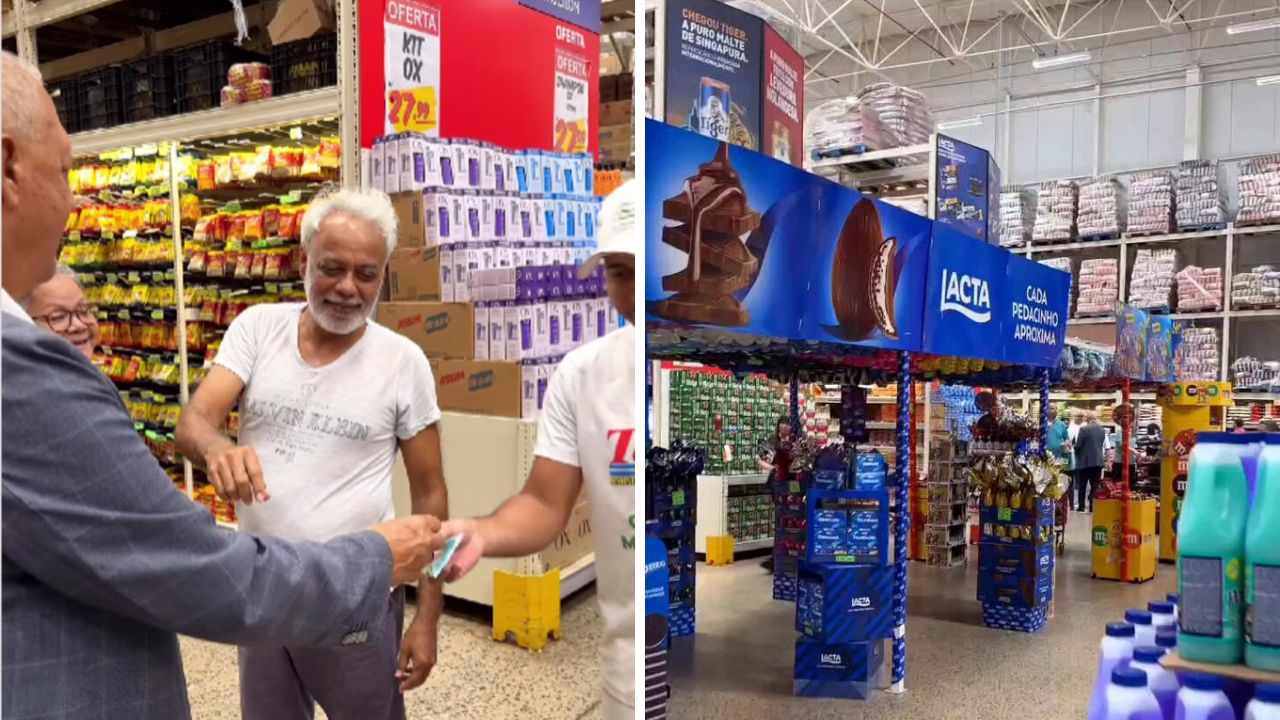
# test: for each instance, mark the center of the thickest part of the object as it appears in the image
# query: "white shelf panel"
(1104, 320)
(1255, 313)
(578, 575)
(295, 107)
(1257, 230)
(916, 152)
(1173, 237)
(1043, 248)
(750, 545)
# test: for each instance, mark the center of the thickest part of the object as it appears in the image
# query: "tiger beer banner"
(434, 71)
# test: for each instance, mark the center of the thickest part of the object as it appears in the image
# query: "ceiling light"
(956, 124)
(1268, 80)
(1254, 26)
(1060, 60)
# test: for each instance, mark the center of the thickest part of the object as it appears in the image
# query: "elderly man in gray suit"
(104, 562)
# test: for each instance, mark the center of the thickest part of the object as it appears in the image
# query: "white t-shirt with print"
(327, 436)
(588, 421)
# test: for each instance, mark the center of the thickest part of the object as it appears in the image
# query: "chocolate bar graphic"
(712, 215)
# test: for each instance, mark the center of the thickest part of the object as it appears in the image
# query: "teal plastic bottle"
(1211, 544)
(1262, 565)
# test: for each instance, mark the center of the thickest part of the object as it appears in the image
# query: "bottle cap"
(1138, 617)
(1119, 629)
(1129, 677)
(1163, 608)
(1267, 693)
(1174, 598)
(1167, 639)
(1148, 654)
(1202, 681)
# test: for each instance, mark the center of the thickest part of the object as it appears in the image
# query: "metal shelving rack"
(472, 439)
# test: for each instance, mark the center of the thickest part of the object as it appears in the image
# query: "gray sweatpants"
(351, 683)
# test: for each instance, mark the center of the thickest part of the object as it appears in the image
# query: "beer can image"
(781, 142)
(713, 109)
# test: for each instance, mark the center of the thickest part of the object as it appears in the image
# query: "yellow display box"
(1188, 408)
(1139, 540)
(719, 549)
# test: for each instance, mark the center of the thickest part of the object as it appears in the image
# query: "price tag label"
(571, 101)
(677, 498)
(411, 30)
(793, 487)
(74, 236)
(1004, 514)
(295, 132)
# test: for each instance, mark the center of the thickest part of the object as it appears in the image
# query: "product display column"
(902, 525)
(671, 505)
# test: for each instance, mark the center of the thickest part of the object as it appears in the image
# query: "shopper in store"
(60, 307)
(104, 561)
(586, 436)
(1091, 455)
(776, 465)
(326, 399)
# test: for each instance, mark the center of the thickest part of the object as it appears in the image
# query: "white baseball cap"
(617, 232)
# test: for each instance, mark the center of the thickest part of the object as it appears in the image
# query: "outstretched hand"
(469, 551)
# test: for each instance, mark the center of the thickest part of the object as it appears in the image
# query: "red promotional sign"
(782, 136)
(504, 73)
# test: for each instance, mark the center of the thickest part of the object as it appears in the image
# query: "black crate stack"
(201, 71)
(304, 65)
(148, 87)
(66, 100)
(100, 98)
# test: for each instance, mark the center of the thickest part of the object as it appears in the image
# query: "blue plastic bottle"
(1202, 698)
(1163, 683)
(1129, 698)
(1211, 535)
(1167, 637)
(1265, 704)
(1144, 632)
(1161, 614)
(1176, 599)
(1117, 651)
(1262, 565)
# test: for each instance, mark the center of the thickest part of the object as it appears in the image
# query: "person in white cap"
(586, 435)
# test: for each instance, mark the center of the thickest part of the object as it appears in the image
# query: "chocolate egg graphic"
(864, 276)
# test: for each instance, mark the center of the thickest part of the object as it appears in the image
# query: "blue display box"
(1027, 620)
(847, 526)
(1017, 527)
(1014, 591)
(844, 603)
(784, 586)
(1020, 561)
(682, 622)
(849, 671)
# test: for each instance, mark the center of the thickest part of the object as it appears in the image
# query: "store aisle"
(475, 679)
(739, 665)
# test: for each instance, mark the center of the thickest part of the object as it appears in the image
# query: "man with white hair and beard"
(326, 399)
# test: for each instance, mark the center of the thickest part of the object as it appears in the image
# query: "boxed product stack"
(1099, 287)
(1258, 288)
(726, 417)
(1151, 197)
(1259, 188)
(1055, 212)
(844, 587)
(247, 82)
(617, 112)
(1015, 560)
(945, 534)
(905, 111)
(1017, 216)
(484, 277)
(1200, 202)
(671, 483)
(1063, 264)
(1250, 373)
(1151, 283)
(1199, 289)
(844, 125)
(1198, 355)
(1102, 208)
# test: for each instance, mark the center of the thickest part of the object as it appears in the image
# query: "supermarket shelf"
(748, 546)
(1256, 229)
(1254, 313)
(578, 575)
(1173, 237)
(1042, 248)
(295, 107)
(1256, 396)
(907, 166)
(48, 12)
(1174, 661)
(1104, 320)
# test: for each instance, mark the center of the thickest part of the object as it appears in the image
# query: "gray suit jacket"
(105, 562)
(1091, 446)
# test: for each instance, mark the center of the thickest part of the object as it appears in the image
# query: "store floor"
(739, 663)
(475, 678)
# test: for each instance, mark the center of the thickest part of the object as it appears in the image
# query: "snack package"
(243, 75)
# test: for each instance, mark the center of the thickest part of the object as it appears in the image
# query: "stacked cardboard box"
(1055, 212)
(725, 416)
(1015, 561)
(1099, 287)
(844, 588)
(617, 119)
(484, 278)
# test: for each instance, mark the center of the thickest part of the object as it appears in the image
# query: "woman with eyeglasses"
(59, 306)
